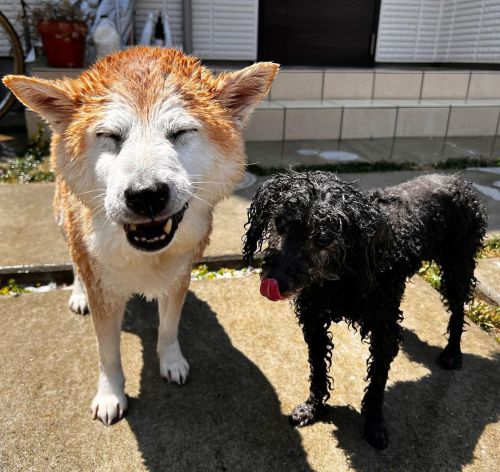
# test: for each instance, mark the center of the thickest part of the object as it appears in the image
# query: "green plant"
(37, 146)
(24, 170)
(467, 161)
(380, 166)
(431, 273)
(58, 10)
(202, 272)
(32, 166)
(486, 316)
(12, 289)
(492, 247)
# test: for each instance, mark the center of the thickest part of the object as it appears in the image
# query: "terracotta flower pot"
(63, 42)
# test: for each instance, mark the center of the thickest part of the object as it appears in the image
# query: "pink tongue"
(269, 289)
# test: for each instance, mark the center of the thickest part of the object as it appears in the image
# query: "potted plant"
(63, 31)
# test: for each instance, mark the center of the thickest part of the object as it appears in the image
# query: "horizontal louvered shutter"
(439, 31)
(222, 29)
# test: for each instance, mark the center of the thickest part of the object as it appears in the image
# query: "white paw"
(108, 407)
(78, 303)
(173, 366)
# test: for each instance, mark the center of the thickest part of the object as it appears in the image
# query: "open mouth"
(155, 234)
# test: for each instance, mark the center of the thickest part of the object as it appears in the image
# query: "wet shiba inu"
(145, 142)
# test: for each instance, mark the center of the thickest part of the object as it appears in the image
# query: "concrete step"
(299, 83)
(488, 278)
(248, 370)
(284, 120)
(336, 83)
(332, 103)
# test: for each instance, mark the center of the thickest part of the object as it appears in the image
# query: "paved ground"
(488, 275)
(30, 236)
(416, 150)
(249, 370)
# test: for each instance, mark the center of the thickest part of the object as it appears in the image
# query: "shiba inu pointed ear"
(45, 97)
(241, 91)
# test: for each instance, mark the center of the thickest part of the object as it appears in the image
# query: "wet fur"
(144, 96)
(344, 254)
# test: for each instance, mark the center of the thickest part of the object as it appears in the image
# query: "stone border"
(29, 274)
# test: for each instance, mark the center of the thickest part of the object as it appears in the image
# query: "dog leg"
(319, 344)
(457, 285)
(110, 401)
(173, 365)
(78, 299)
(384, 346)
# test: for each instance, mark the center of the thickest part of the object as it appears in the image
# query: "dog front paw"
(109, 407)
(173, 365)
(450, 358)
(78, 303)
(376, 434)
(304, 414)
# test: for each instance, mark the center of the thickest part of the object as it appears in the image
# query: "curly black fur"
(345, 255)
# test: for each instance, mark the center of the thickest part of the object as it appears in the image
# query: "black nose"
(149, 201)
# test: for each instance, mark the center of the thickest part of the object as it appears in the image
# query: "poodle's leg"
(319, 343)
(457, 284)
(384, 346)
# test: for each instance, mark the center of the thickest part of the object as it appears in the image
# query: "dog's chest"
(125, 271)
(149, 276)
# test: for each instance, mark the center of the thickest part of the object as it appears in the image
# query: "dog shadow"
(226, 418)
(434, 422)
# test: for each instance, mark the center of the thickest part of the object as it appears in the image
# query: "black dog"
(345, 255)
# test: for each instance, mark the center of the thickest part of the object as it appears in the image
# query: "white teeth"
(143, 239)
(136, 238)
(163, 236)
(156, 239)
(168, 226)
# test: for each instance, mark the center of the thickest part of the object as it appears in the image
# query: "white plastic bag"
(106, 38)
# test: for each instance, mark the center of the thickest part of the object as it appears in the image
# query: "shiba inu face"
(145, 134)
(151, 167)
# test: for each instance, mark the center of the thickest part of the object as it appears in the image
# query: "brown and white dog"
(144, 144)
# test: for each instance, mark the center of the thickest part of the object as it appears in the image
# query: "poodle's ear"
(257, 225)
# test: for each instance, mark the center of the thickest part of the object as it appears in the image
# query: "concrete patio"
(248, 370)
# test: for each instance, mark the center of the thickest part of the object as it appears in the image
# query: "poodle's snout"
(270, 288)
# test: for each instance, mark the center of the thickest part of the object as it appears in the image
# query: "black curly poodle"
(344, 254)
